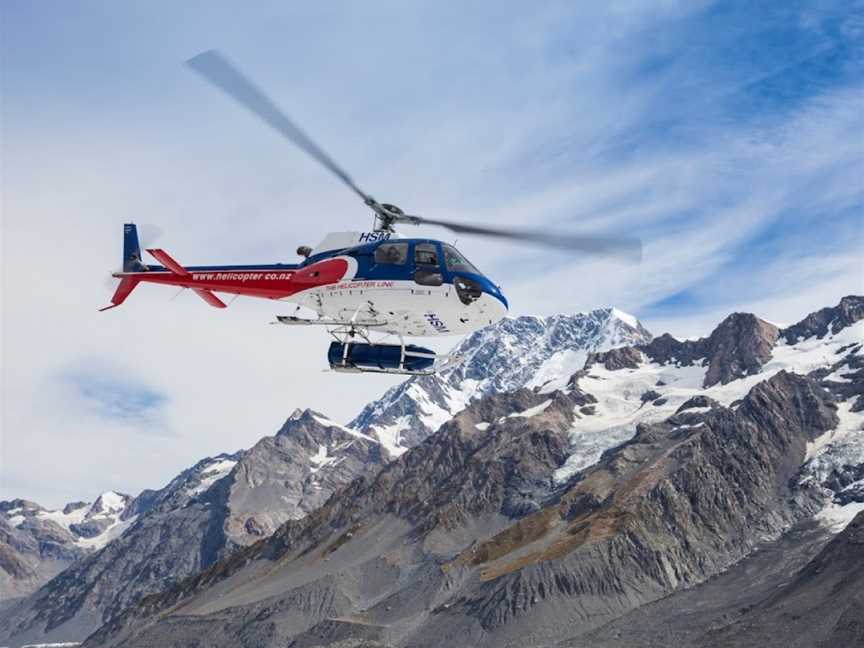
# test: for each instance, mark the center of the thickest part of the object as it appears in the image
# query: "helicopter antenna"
(220, 72)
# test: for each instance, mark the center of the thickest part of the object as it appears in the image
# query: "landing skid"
(293, 320)
(354, 351)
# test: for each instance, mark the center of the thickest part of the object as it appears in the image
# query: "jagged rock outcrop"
(738, 347)
(831, 319)
(697, 402)
(615, 359)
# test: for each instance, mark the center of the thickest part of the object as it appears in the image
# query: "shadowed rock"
(831, 319)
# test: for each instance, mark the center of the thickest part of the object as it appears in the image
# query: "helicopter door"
(427, 266)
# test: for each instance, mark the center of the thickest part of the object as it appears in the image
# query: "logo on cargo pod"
(436, 322)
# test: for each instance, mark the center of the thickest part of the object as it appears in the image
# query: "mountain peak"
(739, 346)
(521, 351)
(301, 420)
(831, 319)
(627, 318)
(109, 502)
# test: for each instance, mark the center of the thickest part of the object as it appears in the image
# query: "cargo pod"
(381, 358)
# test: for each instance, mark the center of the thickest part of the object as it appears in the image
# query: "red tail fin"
(127, 285)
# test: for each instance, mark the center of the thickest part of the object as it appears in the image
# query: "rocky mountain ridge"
(484, 515)
(201, 516)
(286, 476)
(517, 352)
(36, 543)
(555, 510)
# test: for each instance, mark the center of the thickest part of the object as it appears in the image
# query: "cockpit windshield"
(455, 262)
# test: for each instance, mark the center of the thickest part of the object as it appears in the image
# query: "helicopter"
(369, 289)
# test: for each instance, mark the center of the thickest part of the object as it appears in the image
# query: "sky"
(729, 136)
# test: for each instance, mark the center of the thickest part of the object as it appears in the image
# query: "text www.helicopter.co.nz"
(242, 276)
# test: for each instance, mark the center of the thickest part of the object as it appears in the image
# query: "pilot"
(392, 254)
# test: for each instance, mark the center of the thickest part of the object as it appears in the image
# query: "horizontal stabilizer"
(165, 259)
(210, 298)
(126, 286)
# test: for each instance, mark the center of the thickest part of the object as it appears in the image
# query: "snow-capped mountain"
(201, 516)
(537, 515)
(571, 432)
(515, 352)
(91, 525)
(37, 543)
(235, 499)
(650, 382)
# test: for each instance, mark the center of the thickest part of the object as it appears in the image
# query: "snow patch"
(111, 502)
(328, 423)
(688, 426)
(531, 411)
(212, 473)
(321, 459)
(65, 520)
(483, 426)
(619, 408)
(806, 355)
(432, 415)
(627, 318)
(835, 517)
(842, 446)
(117, 528)
(555, 373)
(696, 410)
(389, 436)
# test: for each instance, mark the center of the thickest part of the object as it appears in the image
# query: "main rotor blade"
(626, 248)
(217, 70)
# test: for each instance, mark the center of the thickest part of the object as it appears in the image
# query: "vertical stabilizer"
(131, 249)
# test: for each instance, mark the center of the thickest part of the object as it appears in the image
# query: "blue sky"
(728, 135)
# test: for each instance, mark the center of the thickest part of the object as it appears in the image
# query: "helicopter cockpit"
(426, 254)
(433, 263)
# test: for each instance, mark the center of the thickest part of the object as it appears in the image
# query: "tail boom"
(273, 281)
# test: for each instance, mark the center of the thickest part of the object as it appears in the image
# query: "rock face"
(466, 539)
(566, 496)
(36, 544)
(201, 516)
(831, 319)
(538, 514)
(514, 353)
(738, 347)
(286, 476)
(823, 606)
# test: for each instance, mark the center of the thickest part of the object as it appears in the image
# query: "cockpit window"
(391, 253)
(426, 254)
(455, 262)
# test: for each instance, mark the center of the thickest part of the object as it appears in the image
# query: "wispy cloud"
(118, 398)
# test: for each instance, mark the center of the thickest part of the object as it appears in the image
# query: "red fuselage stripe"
(268, 284)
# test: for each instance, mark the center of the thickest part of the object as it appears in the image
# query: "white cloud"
(515, 116)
